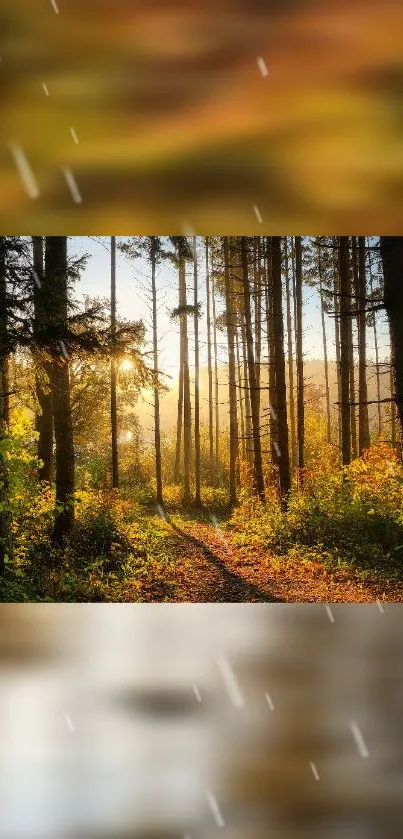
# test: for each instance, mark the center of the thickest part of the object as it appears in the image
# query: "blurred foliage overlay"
(166, 117)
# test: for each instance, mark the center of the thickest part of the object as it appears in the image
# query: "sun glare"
(126, 364)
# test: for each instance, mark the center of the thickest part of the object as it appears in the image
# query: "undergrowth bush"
(353, 515)
(114, 554)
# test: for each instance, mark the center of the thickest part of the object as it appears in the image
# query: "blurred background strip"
(208, 115)
(200, 721)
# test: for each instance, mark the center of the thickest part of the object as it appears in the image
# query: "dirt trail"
(206, 572)
(211, 569)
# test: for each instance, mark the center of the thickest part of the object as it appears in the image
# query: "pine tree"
(43, 367)
(56, 284)
(114, 371)
(154, 251)
(253, 386)
(363, 421)
(392, 260)
(281, 388)
(300, 359)
(345, 288)
(230, 321)
(209, 363)
(197, 378)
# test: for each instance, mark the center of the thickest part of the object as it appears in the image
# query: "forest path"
(210, 568)
(207, 569)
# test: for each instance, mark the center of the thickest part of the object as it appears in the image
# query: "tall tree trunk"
(157, 428)
(4, 352)
(216, 387)
(281, 388)
(273, 430)
(257, 299)
(197, 379)
(187, 409)
(5, 516)
(299, 353)
(241, 397)
(44, 419)
(363, 421)
(393, 429)
(209, 366)
(336, 292)
(353, 416)
(177, 471)
(248, 410)
(290, 354)
(4, 371)
(325, 356)
(114, 362)
(392, 260)
(345, 288)
(233, 422)
(378, 378)
(254, 394)
(56, 284)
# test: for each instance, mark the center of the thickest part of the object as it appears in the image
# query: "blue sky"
(133, 301)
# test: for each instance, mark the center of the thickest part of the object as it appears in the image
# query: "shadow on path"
(232, 588)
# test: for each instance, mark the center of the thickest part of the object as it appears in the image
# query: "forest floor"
(209, 567)
(128, 550)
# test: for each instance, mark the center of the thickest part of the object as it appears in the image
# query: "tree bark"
(216, 387)
(353, 417)
(4, 371)
(209, 366)
(325, 356)
(248, 410)
(345, 288)
(363, 421)
(177, 471)
(281, 388)
(290, 355)
(5, 515)
(157, 428)
(336, 291)
(257, 300)
(392, 260)
(273, 429)
(241, 397)
(253, 386)
(44, 420)
(299, 352)
(114, 371)
(56, 283)
(187, 409)
(393, 429)
(378, 378)
(197, 379)
(233, 422)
